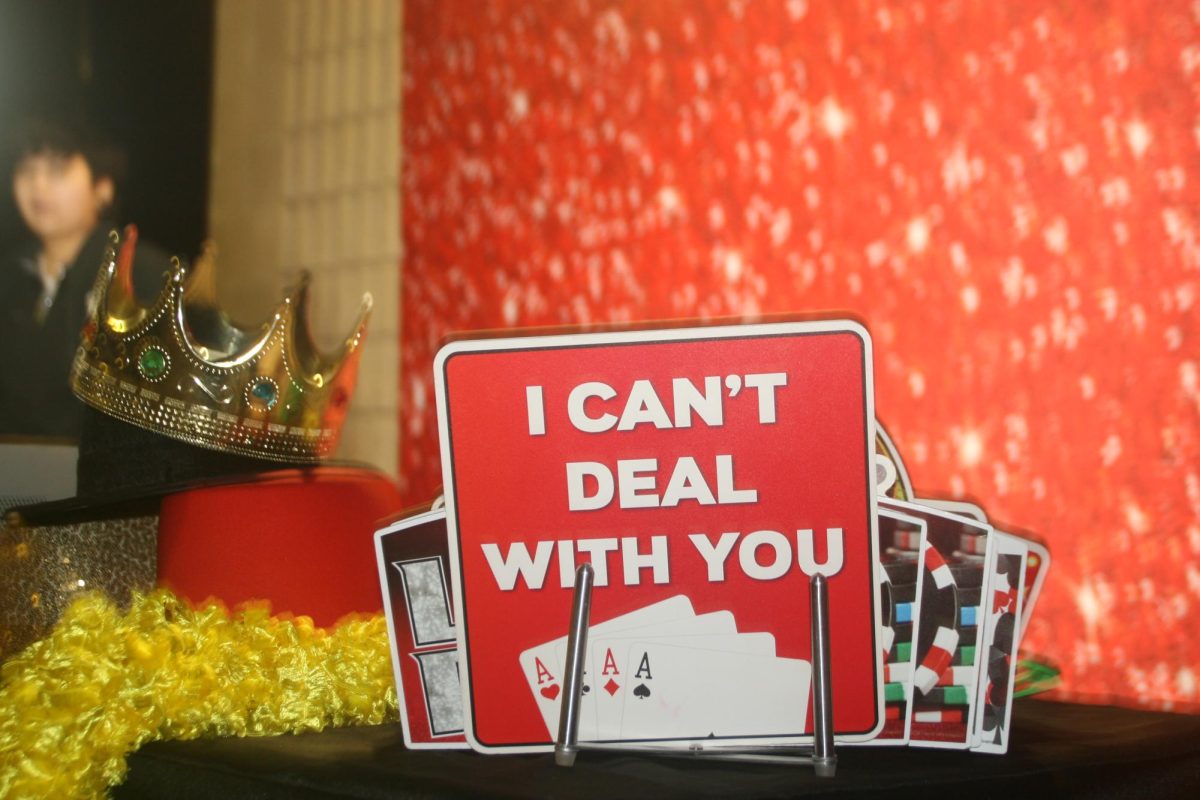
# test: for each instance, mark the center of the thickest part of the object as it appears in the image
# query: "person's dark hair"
(40, 135)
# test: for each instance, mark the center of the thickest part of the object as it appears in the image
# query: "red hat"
(300, 538)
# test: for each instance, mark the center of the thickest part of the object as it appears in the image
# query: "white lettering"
(748, 555)
(634, 562)
(597, 550)
(566, 563)
(631, 479)
(577, 496)
(642, 406)
(766, 400)
(576, 407)
(687, 483)
(726, 494)
(519, 562)
(806, 556)
(688, 399)
(714, 555)
(535, 410)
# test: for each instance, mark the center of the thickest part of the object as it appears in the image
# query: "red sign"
(706, 474)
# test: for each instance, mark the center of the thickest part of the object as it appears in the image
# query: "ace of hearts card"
(706, 474)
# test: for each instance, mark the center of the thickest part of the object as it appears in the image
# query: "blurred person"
(64, 182)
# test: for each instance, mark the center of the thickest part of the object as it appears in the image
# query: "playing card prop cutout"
(414, 575)
(901, 560)
(951, 665)
(706, 474)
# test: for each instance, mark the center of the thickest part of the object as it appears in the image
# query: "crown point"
(125, 260)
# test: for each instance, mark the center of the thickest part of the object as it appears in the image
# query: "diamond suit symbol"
(612, 686)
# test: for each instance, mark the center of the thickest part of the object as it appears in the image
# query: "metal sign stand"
(821, 755)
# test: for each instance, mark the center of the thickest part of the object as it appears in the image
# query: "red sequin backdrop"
(1008, 194)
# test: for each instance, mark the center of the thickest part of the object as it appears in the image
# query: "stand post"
(567, 745)
(824, 758)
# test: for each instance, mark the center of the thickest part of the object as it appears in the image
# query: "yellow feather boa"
(75, 704)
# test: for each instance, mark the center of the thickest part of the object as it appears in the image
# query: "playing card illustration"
(547, 683)
(609, 673)
(900, 553)
(946, 626)
(629, 654)
(413, 563)
(642, 690)
(691, 693)
(1007, 571)
(542, 665)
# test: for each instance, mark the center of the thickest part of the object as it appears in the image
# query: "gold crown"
(182, 369)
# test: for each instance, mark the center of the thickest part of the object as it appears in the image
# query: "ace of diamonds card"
(706, 474)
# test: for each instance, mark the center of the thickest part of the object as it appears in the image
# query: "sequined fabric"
(1008, 194)
(45, 567)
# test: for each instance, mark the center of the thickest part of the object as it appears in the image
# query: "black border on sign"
(836, 327)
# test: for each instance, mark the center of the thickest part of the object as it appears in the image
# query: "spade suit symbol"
(641, 691)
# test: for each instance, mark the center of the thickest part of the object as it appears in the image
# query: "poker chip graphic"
(887, 631)
(908, 540)
(939, 635)
(956, 715)
(999, 666)
(898, 576)
(897, 587)
(972, 544)
(900, 566)
(896, 484)
(950, 695)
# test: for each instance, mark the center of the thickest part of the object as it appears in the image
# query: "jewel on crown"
(182, 369)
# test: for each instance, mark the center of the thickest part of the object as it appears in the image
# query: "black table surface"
(1057, 750)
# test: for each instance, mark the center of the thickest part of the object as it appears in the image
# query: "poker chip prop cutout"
(104, 682)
